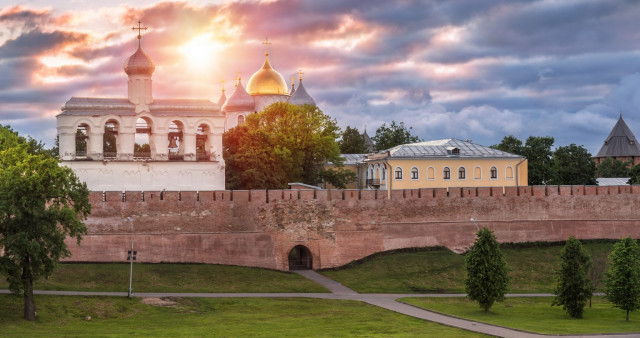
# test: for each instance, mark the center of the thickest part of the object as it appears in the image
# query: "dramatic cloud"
(470, 69)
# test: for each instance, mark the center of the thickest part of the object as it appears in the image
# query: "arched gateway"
(300, 258)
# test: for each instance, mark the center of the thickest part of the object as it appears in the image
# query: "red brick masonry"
(259, 228)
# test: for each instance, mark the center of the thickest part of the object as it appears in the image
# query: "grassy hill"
(424, 270)
(439, 270)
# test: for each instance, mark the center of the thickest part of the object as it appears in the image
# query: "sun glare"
(200, 53)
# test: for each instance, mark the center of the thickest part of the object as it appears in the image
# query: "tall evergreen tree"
(574, 287)
(623, 277)
(487, 277)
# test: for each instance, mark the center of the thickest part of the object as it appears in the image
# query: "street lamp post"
(131, 257)
(476, 224)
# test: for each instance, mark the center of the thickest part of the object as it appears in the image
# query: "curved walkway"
(341, 292)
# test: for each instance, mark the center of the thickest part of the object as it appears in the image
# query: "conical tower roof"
(367, 141)
(239, 100)
(620, 142)
(293, 88)
(300, 96)
(222, 99)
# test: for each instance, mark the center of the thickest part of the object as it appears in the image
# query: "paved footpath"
(341, 292)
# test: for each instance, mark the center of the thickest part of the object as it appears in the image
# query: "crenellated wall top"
(269, 196)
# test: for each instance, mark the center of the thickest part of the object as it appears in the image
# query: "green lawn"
(196, 317)
(172, 278)
(441, 270)
(536, 315)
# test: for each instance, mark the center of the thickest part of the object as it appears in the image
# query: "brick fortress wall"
(259, 228)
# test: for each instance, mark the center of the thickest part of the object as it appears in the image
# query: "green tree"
(574, 287)
(634, 175)
(55, 151)
(41, 203)
(141, 150)
(510, 144)
(623, 277)
(487, 277)
(284, 143)
(572, 164)
(81, 142)
(352, 142)
(538, 152)
(393, 135)
(613, 168)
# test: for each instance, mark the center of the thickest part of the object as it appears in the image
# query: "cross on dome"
(222, 81)
(300, 73)
(139, 29)
(266, 44)
(238, 78)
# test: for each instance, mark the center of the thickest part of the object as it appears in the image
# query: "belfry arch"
(110, 141)
(300, 258)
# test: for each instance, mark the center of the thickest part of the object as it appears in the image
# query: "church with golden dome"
(265, 87)
(140, 143)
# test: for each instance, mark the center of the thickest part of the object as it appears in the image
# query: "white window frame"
(417, 171)
(434, 173)
(506, 173)
(395, 174)
(474, 173)
(444, 177)
(491, 171)
(465, 173)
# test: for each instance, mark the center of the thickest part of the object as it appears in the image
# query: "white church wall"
(262, 101)
(149, 175)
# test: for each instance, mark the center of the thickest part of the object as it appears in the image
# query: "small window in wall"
(509, 173)
(398, 173)
(384, 174)
(431, 173)
(414, 173)
(240, 120)
(477, 173)
(494, 173)
(446, 173)
(462, 174)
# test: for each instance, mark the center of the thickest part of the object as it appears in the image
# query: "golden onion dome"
(267, 81)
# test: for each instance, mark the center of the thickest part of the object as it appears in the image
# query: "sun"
(200, 52)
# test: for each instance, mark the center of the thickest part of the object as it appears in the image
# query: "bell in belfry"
(172, 142)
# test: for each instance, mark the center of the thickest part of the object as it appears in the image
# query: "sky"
(466, 69)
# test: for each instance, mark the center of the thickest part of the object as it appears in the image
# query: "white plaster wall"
(232, 119)
(263, 101)
(149, 176)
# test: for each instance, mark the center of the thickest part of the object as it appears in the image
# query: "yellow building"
(441, 164)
